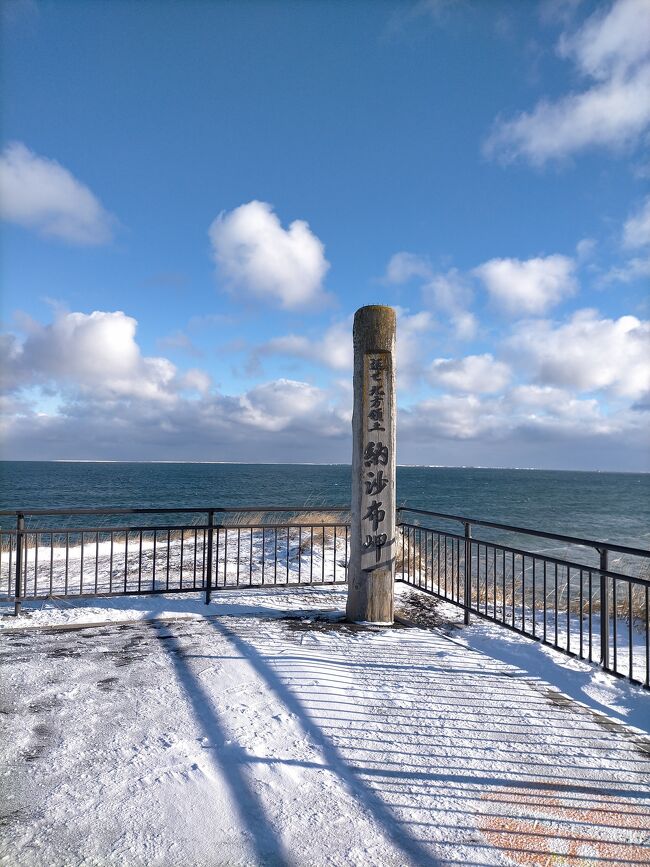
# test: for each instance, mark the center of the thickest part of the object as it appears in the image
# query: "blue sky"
(197, 196)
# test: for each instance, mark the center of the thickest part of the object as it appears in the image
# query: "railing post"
(208, 566)
(468, 572)
(20, 535)
(604, 610)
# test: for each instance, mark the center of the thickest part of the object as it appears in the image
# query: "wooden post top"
(374, 328)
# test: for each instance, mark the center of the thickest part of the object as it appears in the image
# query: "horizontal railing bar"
(45, 531)
(573, 540)
(151, 528)
(172, 511)
(284, 526)
(166, 591)
(549, 559)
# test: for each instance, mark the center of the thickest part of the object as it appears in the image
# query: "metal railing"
(223, 548)
(586, 610)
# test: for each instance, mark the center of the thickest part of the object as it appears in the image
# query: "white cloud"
(84, 389)
(403, 267)
(528, 426)
(276, 405)
(259, 258)
(95, 354)
(634, 269)
(611, 41)
(636, 231)
(473, 374)
(531, 285)
(41, 194)
(588, 353)
(451, 293)
(544, 404)
(585, 249)
(104, 399)
(411, 346)
(333, 349)
(612, 49)
(635, 236)
(195, 380)
(609, 115)
(465, 325)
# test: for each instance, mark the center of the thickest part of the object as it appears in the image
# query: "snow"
(261, 730)
(575, 628)
(110, 561)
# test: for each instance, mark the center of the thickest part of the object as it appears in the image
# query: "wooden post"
(371, 570)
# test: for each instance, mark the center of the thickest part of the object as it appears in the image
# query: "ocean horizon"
(321, 464)
(598, 504)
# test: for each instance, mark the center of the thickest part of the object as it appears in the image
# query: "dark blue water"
(611, 506)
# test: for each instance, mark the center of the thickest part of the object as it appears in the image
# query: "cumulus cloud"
(633, 269)
(531, 285)
(452, 294)
(636, 231)
(96, 354)
(611, 49)
(475, 374)
(449, 293)
(544, 404)
(531, 426)
(333, 349)
(41, 194)
(276, 405)
(411, 349)
(588, 353)
(635, 237)
(610, 41)
(195, 380)
(256, 256)
(276, 421)
(403, 267)
(105, 399)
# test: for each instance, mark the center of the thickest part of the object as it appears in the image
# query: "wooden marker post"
(371, 570)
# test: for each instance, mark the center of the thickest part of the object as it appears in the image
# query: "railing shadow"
(450, 754)
(263, 837)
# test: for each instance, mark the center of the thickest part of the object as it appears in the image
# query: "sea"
(604, 506)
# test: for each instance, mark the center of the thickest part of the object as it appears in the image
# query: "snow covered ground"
(259, 730)
(150, 560)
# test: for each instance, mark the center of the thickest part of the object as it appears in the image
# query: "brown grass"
(411, 553)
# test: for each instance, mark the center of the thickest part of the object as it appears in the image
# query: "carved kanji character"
(375, 514)
(375, 483)
(375, 453)
(375, 541)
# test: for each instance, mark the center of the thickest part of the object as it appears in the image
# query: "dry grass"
(325, 525)
(257, 520)
(421, 558)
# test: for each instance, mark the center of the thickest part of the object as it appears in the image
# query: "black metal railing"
(223, 548)
(585, 609)
(579, 600)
